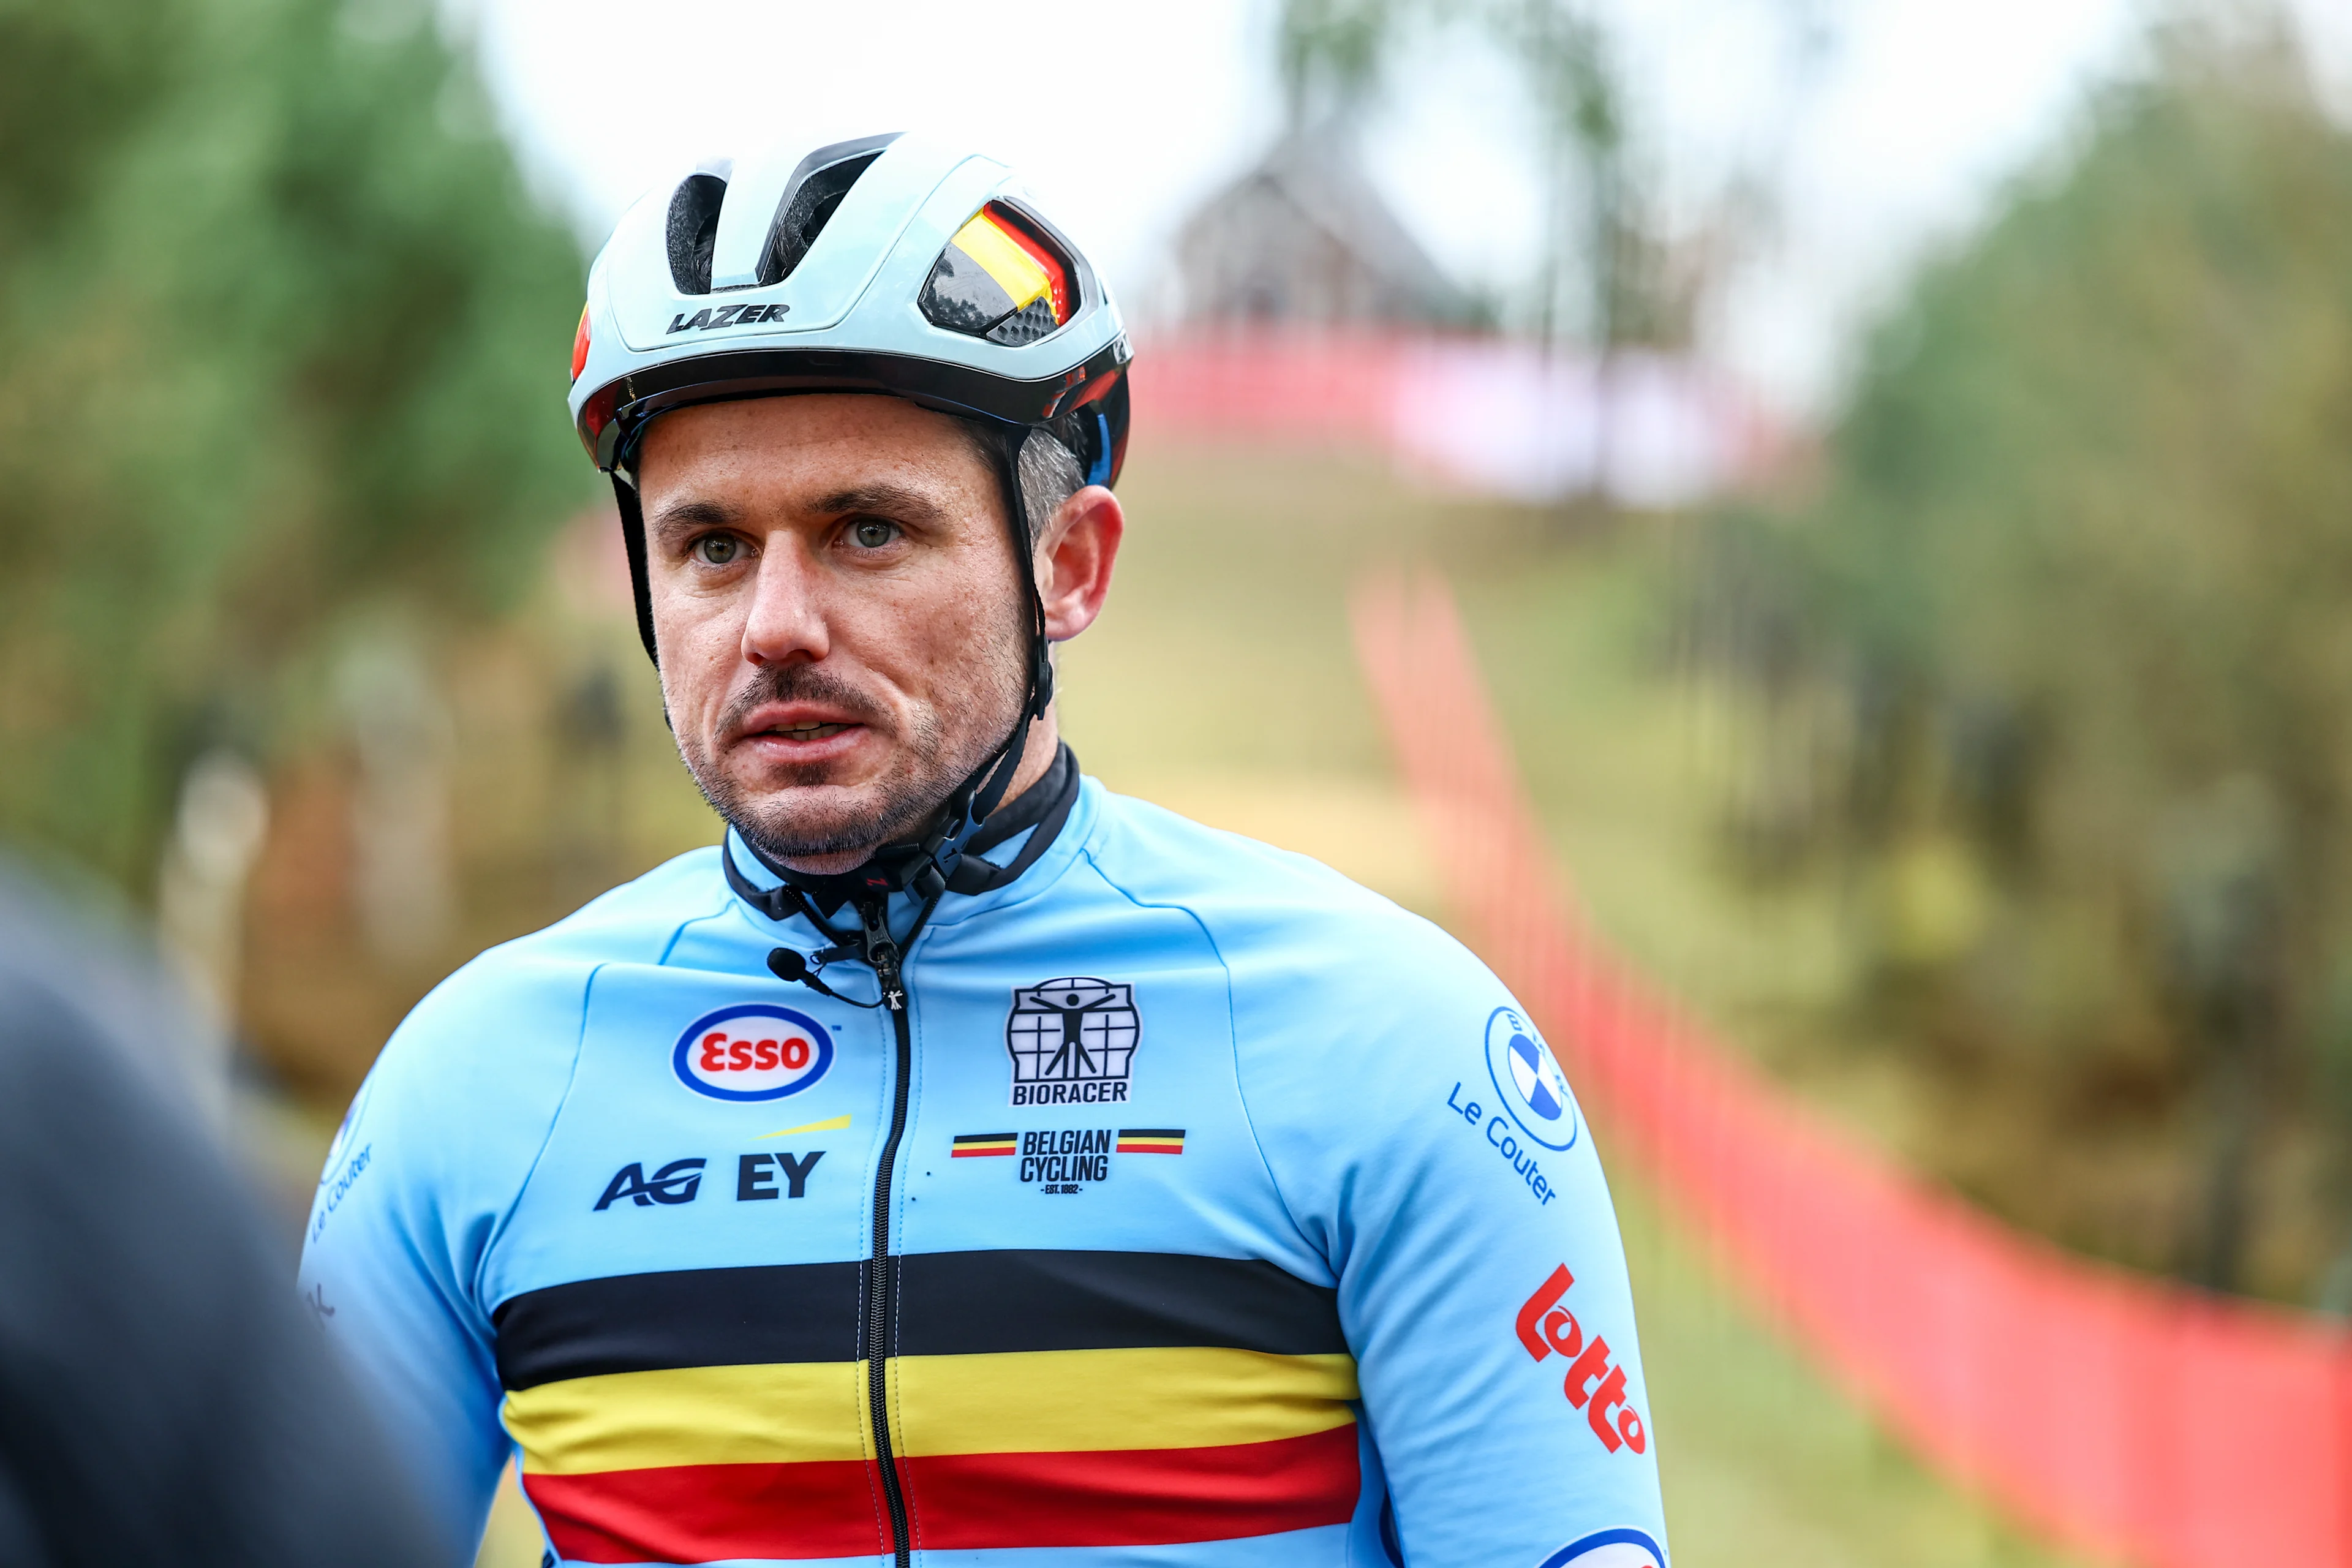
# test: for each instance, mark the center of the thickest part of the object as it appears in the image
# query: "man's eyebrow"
(679, 517)
(884, 500)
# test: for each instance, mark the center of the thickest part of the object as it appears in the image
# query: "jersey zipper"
(882, 954)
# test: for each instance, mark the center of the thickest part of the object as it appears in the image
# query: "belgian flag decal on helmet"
(999, 279)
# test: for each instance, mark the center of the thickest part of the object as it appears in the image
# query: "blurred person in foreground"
(960, 1163)
(164, 1398)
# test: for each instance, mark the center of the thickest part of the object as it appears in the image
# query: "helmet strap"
(633, 539)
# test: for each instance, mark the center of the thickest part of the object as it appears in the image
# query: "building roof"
(1304, 237)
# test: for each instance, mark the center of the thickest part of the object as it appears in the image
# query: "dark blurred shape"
(164, 1397)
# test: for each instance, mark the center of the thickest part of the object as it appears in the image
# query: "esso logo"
(753, 1052)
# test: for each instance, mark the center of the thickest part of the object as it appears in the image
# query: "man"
(961, 1164)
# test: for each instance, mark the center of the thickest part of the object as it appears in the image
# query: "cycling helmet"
(889, 264)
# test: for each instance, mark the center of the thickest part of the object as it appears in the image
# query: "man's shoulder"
(634, 923)
(1271, 913)
(521, 1002)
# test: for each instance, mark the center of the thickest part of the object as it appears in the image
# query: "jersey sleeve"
(422, 1174)
(1425, 1141)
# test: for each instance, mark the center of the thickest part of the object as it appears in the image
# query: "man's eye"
(718, 549)
(873, 535)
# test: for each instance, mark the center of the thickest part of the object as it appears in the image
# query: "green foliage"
(2085, 557)
(1330, 52)
(280, 333)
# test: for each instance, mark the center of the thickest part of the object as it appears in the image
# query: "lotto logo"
(1593, 1385)
(757, 1051)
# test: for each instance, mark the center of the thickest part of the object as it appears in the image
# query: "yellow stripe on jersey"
(830, 1124)
(691, 1415)
(1018, 1401)
(1073, 1401)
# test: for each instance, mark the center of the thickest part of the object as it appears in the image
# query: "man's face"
(840, 629)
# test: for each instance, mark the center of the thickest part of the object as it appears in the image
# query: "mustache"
(799, 683)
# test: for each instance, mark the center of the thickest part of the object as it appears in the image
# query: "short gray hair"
(1049, 475)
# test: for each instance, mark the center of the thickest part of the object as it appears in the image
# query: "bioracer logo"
(1072, 1041)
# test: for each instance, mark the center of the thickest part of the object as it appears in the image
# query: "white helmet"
(889, 264)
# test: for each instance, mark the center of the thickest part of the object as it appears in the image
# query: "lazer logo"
(1593, 1385)
(680, 1181)
(727, 316)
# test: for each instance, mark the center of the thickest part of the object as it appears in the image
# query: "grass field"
(1221, 683)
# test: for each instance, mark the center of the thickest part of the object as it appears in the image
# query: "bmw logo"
(1533, 1089)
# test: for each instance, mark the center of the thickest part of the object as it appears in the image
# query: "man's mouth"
(808, 732)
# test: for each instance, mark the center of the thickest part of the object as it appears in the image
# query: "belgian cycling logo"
(1530, 1082)
(756, 1051)
(1065, 1159)
(1072, 1042)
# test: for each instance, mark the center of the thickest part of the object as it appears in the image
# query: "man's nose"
(787, 622)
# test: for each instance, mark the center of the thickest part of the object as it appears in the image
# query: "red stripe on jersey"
(703, 1513)
(1137, 1497)
(830, 1508)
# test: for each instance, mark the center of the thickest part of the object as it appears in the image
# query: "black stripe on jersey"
(975, 1303)
(685, 1317)
(949, 1303)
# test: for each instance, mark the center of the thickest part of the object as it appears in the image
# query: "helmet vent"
(693, 230)
(811, 198)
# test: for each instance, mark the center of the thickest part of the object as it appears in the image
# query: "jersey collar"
(1030, 826)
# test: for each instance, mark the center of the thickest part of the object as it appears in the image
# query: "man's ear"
(1074, 557)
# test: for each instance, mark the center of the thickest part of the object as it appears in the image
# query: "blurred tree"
(1332, 52)
(2084, 559)
(1574, 80)
(281, 330)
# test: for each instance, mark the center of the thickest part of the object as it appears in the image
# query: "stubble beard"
(937, 750)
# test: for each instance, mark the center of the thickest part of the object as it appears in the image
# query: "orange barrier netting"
(2117, 1415)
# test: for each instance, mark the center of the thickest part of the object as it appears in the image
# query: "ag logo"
(1529, 1081)
(675, 1183)
(1073, 1042)
(755, 1051)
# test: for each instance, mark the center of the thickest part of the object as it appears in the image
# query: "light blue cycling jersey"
(1214, 1210)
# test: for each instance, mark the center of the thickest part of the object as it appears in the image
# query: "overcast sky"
(1888, 135)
